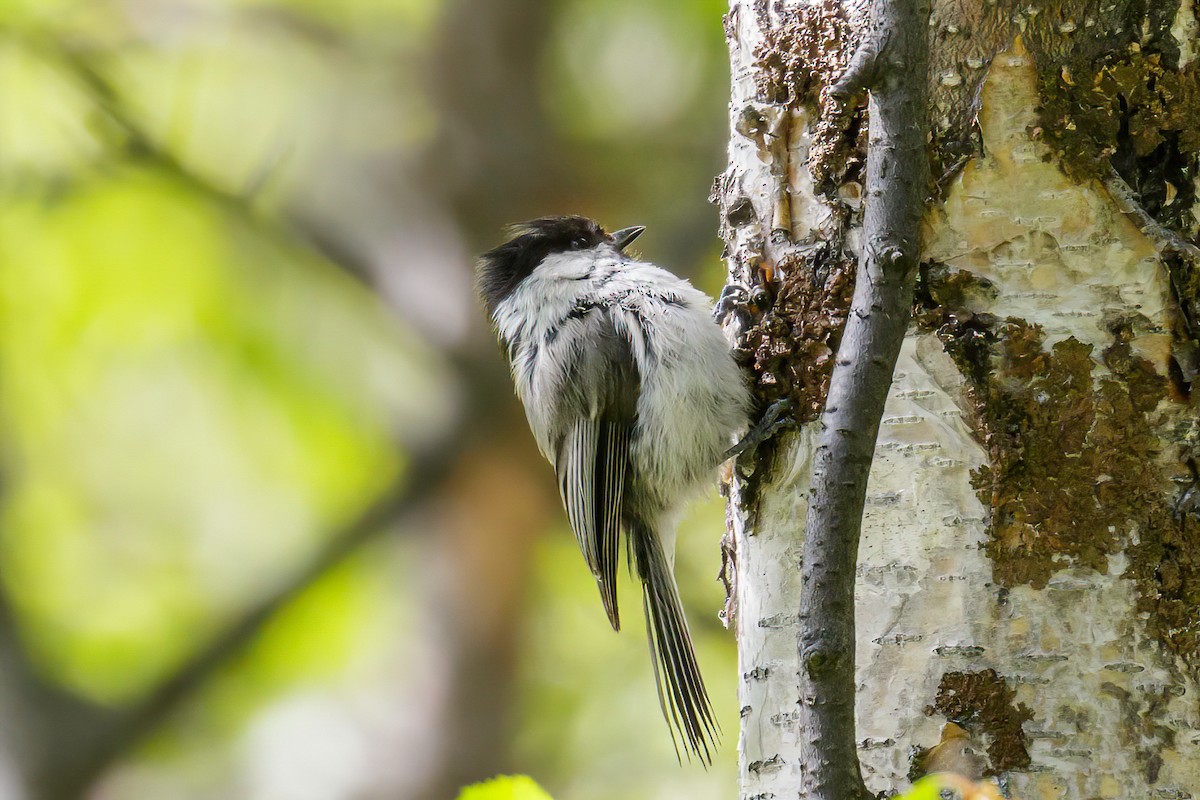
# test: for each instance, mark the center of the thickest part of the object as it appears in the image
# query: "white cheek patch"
(573, 265)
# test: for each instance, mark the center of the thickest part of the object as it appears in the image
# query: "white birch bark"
(1106, 697)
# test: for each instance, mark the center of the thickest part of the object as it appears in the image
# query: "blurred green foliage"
(163, 412)
(193, 395)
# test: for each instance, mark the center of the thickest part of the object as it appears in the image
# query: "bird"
(633, 395)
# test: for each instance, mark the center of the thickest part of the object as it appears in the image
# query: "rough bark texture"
(1029, 565)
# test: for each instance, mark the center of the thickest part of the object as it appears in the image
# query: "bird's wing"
(592, 460)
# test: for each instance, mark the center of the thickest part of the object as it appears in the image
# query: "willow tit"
(634, 397)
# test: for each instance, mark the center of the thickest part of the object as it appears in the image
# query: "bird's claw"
(733, 298)
(778, 417)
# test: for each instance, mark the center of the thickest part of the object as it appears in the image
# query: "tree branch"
(862, 71)
(1165, 240)
(116, 735)
(98, 739)
(897, 186)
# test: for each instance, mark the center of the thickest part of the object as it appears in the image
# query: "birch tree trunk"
(1030, 558)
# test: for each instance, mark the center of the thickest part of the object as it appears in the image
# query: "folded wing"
(593, 461)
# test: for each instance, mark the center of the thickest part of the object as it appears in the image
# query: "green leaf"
(928, 788)
(506, 787)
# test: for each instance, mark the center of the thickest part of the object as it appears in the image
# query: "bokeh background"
(272, 523)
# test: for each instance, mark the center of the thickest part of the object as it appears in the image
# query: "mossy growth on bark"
(1056, 480)
(983, 704)
(1114, 96)
(1112, 87)
(1074, 470)
(790, 348)
(1130, 109)
(796, 61)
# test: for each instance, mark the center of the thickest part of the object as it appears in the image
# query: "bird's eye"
(578, 243)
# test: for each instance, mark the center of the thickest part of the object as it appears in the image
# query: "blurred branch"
(427, 470)
(67, 753)
(496, 157)
(479, 660)
(40, 718)
(142, 145)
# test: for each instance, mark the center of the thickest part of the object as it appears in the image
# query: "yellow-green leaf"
(506, 787)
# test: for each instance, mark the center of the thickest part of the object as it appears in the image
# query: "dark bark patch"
(983, 704)
(943, 300)
(740, 212)
(790, 348)
(1055, 495)
(1142, 729)
(964, 38)
(796, 60)
(1074, 471)
(1132, 110)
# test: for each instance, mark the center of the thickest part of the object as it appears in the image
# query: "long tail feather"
(681, 693)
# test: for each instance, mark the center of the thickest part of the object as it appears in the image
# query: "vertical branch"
(894, 66)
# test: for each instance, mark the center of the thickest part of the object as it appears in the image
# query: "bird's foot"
(733, 299)
(776, 418)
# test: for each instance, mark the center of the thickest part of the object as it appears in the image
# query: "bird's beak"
(623, 237)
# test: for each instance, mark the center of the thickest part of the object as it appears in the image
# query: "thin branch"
(862, 71)
(126, 729)
(897, 184)
(1165, 240)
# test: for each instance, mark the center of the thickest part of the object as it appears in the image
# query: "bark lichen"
(1132, 109)
(983, 704)
(1074, 473)
(809, 49)
(1165, 563)
(1056, 481)
(797, 59)
(790, 348)
(1117, 97)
